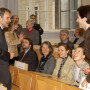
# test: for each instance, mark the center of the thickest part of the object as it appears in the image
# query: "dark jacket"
(40, 30)
(69, 43)
(31, 59)
(5, 76)
(87, 49)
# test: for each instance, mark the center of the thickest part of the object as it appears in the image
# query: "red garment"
(29, 31)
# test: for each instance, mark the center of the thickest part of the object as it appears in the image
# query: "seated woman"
(47, 62)
(64, 64)
(79, 65)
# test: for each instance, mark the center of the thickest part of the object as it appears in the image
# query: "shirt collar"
(27, 50)
(1, 27)
(65, 41)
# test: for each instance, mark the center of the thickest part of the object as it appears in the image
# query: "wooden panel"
(27, 80)
(15, 87)
(24, 81)
(38, 54)
(14, 71)
(44, 83)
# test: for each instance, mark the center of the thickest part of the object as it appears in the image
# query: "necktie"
(22, 57)
(62, 63)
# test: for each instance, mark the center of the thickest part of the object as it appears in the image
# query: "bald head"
(15, 17)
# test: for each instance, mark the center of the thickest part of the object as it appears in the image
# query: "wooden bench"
(27, 80)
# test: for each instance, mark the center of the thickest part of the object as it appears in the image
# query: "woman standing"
(12, 39)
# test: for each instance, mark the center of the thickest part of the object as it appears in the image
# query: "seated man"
(30, 32)
(29, 56)
(78, 36)
(37, 27)
(64, 36)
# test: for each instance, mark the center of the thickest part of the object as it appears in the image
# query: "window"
(65, 14)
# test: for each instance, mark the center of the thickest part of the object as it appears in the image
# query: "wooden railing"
(26, 80)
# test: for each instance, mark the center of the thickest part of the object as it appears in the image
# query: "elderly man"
(64, 37)
(78, 36)
(30, 32)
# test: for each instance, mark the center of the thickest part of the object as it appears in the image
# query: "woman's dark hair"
(84, 11)
(30, 42)
(49, 46)
(66, 47)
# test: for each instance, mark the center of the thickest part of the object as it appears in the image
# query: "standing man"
(37, 27)
(5, 55)
(84, 22)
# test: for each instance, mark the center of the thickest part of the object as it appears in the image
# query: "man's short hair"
(64, 31)
(3, 10)
(84, 11)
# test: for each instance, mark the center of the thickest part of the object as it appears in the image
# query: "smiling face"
(78, 54)
(45, 50)
(62, 52)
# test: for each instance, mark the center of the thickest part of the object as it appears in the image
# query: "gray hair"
(64, 31)
(31, 21)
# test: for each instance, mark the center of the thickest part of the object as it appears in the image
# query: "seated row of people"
(75, 41)
(66, 67)
(32, 29)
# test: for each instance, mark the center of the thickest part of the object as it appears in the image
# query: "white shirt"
(77, 74)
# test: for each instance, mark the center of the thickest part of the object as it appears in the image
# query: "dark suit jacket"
(87, 49)
(31, 59)
(40, 30)
(69, 43)
(5, 77)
